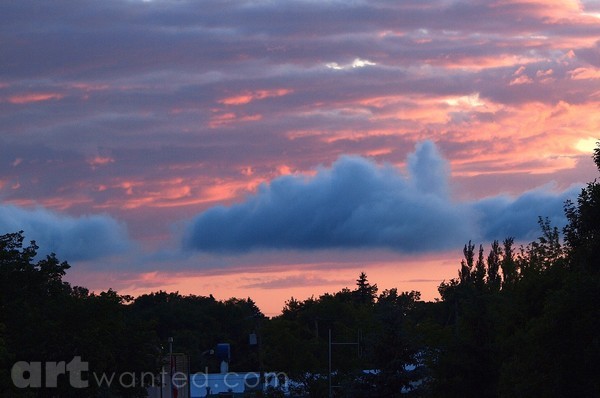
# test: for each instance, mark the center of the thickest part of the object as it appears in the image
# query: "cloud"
(503, 216)
(87, 237)
(429, 170)
(358, 204)
(293, 281)
(357, 63)
(149, 110)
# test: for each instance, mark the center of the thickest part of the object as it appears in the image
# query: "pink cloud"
(100, 161)
(585, 73)
(247, 97)
(522, 79)
(23, 99)
(222, 119)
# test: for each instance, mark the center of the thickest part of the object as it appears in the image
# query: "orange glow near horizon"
(271, 286)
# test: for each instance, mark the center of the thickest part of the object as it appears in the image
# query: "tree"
(508, 264)
(365, 292)
(532, 332)
(479, 272)
(397, 344)
(493, 267)
(5, 361)
(466, 265)
(464, 363)
(582, 233)
(44, 319)
(558, 317)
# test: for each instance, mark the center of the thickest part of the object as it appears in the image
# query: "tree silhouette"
(365, 293)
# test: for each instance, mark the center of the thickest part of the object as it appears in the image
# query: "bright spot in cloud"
(470, 101)
(361, 63)
(586, 145)
(334, 65)
(357, 63)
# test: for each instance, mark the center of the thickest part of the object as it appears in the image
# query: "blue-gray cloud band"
(359, 204)
(71, 238)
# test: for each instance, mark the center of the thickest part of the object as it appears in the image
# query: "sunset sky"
(270, 149)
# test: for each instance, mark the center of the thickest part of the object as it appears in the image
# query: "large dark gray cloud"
(71, 238)
(357, 203)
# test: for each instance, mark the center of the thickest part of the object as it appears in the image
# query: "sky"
(271, 149)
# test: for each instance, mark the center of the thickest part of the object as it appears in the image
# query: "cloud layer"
(149, 112)
(356, 204)
(71, 238)
(163, 108)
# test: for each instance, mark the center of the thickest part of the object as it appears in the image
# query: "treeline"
(44, 319)
(524, 322)
(516, 322)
